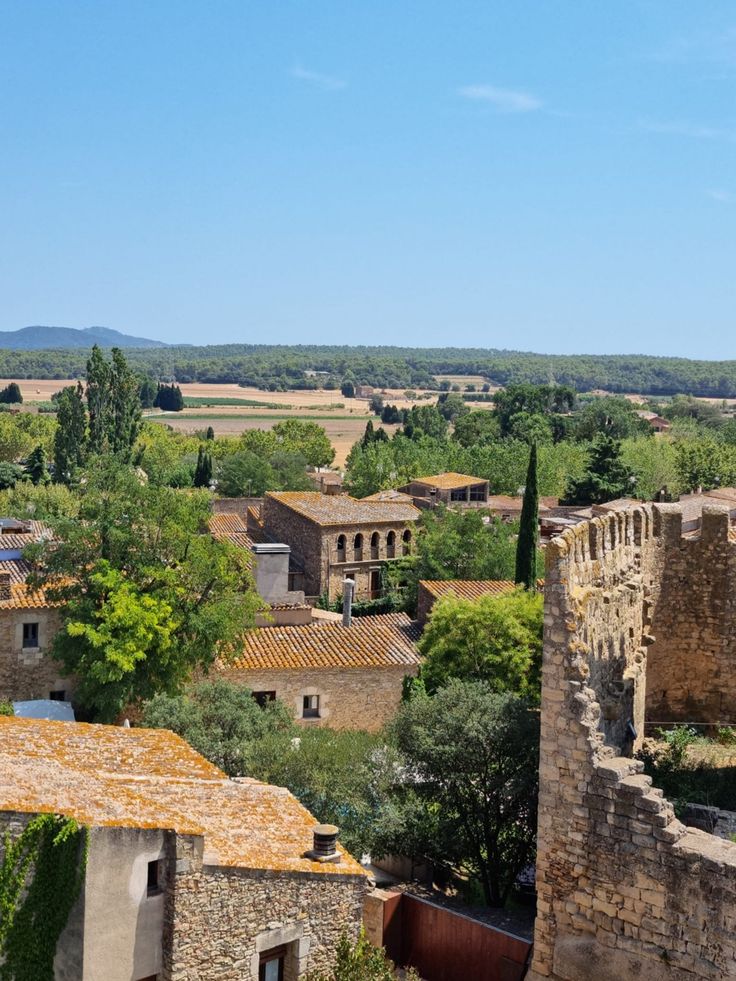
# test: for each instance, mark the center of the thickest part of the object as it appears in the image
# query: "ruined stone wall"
(624, 889)
(691, 669)
(30, 672)
(218, 920)
(350, 698)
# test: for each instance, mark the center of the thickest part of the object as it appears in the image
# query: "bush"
(11, 393)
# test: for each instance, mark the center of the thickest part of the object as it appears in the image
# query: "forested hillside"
(283, 367)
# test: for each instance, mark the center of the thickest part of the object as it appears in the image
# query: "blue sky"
(549, 176)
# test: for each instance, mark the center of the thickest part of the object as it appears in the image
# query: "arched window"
(358, 547)
(406, 539)
(375, 544)
(391, 544)
(341, 546)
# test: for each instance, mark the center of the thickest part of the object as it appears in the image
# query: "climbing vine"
(41, 874)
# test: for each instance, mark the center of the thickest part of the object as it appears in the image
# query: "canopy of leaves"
(606, 478)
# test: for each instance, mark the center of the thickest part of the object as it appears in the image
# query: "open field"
(463, 380)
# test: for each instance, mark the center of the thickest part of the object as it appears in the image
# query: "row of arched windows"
(375, 546)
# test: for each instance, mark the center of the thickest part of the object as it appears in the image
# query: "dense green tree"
(36, 468)
(347, 389)
(606, 478)
(245, 475)
(452, 407)
(376, 404)
(70, 439)
(290, 471)
(531, 427)
(169, 398)
(390, 415)
(125, 406)
(210, 434)
(10, 474)
(147, 391)
(687, 407)
(531, 399)
(496, 639)
(611, 416)
(425, 420)
(307, 438)
(11, 393)
(468, 783)
(146, 595)
(224, 723)
(99, 408)
(203, 471)
(527, 544)
(476, 429)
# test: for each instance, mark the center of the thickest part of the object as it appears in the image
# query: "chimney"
(325, 844)
(348, 585)
(4, 586)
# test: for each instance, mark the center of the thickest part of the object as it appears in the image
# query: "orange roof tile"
(227, 526)
(389, 495)
(150, 778)
(370, 642)
(470, 589)
(449, 481)
(342, 509)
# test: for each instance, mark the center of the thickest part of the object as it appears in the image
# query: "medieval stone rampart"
(624, 889)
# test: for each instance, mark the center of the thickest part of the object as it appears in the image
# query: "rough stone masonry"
(638, 620)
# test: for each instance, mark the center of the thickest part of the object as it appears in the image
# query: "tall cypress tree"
(203, 472)
(528, 541)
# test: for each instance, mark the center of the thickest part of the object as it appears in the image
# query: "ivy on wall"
(41, 875)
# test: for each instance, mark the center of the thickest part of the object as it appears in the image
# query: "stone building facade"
(455, 490)
(333, 538)
(624, 889)
(189, 874)
(328, 674)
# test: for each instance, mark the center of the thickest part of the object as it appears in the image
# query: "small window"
(154, 878)
(262, 698)
(30, 634)
(310, 707)
(58, 696)
(358, 547)
(406, 542)
(271, 967)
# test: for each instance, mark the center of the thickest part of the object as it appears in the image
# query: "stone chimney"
(325, 844)
(4, 586)
(348, 585)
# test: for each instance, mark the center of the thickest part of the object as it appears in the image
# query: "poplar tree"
(98, 400)
(528, 540)
(70, 438)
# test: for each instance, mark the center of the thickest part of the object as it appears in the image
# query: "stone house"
(430, 590)
(451, 489)
(334, 538)
(189, 874)
(344, 677)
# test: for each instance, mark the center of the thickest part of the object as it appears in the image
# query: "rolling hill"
(39, 338)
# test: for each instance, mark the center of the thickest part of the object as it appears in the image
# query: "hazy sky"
(550, 175)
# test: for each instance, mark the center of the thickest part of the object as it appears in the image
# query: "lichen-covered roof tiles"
(227, 526)
(448, 481)
(150, 778)
(470, 589)
(341, 509)
(370, 642)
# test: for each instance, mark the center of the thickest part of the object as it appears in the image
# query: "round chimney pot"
(328, 830)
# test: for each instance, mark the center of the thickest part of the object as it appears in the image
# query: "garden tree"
(610, 416)
(169, 398)
(527, 544)
(348, 389)
(19, 434)
(70, 439)
(496, 639)
(36, 469)
(476, 428)
(165, 455)
(260, 441)
(97, 394)
(10, 474)
(532, 399)
(606, 478)
(42, 501)
(11, 393)
(360, 961)
(531, 427)
(245, 475)
(452, 407)
(705, 463)
(125, 406)
(333, 773)
(655, 464)
(425, 420)
(147, 391)
(687, 407)
(203, 470)
(307, 438)
(146, 595)
(224, 723)
(290, 471)
(469, 783)
(372, 435)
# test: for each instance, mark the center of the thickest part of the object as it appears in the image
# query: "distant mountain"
(45, 338)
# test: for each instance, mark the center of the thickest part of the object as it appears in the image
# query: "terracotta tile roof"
(470, 589)
(22, 597)
(37, 530)
(448, 481)
(228, 526)
(150, 778)
(508, 502)
(389, 495)
(342, 509)
(370, 642)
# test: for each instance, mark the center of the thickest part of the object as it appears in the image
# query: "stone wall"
(30, 672)
(218, 920)
(350, 698)
(304, 537)
(624, 889)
